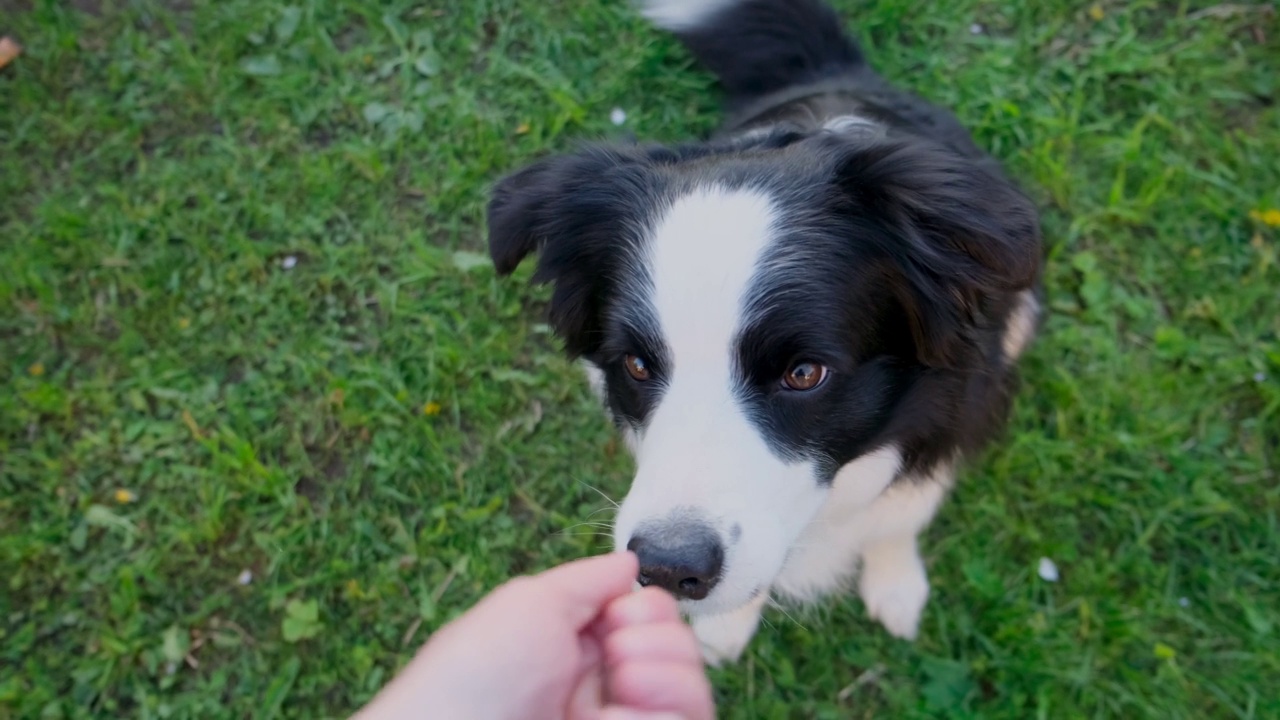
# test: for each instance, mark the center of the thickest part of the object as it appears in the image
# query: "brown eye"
(637, 368)
(804, 376)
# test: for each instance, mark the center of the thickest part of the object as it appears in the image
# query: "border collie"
(800, 326)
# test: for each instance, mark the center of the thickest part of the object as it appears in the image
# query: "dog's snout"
(685, 560)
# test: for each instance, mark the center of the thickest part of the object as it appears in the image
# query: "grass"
(244, 327)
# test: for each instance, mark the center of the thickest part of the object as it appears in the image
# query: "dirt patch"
(170, 130)
(88, 7)
(13, 7)
(353, 34)
(330, 469)
(320, 136)
(309, 489)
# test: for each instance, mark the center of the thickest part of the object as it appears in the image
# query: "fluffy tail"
(756, 47)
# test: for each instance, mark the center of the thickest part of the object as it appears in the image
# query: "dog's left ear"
(960, 232)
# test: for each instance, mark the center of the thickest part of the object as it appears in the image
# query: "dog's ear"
(572, 210)
(960, 233)
(520, 208)
(513, 209)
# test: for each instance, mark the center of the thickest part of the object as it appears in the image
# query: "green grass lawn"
(267, 416)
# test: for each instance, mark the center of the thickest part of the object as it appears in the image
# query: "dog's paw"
(724, 637)
(894, 588)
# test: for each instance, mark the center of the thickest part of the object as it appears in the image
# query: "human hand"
(571, 643)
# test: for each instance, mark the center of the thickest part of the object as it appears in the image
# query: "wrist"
(420, 689)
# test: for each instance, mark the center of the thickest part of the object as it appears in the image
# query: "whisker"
(588, 523)
(603, 509)
(778, 606)
(599, 526)
(599, 492)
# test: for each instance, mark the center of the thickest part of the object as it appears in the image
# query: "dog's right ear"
(573, 211)
(560, 199)
(556, 199)
(515, 210)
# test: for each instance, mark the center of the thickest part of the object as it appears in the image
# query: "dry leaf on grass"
(8, 51)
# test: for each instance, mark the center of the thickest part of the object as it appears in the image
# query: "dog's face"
(758, 318)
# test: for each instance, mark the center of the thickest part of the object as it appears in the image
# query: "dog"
(800, 326)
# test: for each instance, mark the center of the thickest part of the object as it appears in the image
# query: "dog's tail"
(756, 47)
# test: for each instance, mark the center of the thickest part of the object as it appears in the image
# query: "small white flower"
(1047, 570)
(289, 261)
(618, 116)
(1259, 377)
(976, 29)
(245, 577)
(1184, 602)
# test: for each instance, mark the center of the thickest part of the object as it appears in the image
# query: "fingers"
(645, 607)
(586, 586)
(654, 664)
(667, 642)
(621, 713)
(675, 687)
(588, 693)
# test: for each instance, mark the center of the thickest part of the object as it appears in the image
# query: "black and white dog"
(800, 327)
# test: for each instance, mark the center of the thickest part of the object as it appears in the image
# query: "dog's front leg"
(724, 637)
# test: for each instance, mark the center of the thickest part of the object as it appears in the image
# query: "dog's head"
(757, 316)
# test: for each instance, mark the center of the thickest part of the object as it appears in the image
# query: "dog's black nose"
(685, 560)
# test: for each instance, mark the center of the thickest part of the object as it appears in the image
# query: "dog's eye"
(637, 368)
(804, 375)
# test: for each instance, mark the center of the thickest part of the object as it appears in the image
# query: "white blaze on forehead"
(699, 455)
(702, 257)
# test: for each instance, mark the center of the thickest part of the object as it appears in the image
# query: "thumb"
(586, 586)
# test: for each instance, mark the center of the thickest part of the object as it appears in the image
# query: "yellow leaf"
(1096, 12)
(352, 590)
(522, 128)
(1164, 652)
(36, 369)
(431, 408)
(184, 323)
(1269, 217)
(124, 497)
(190, 422)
